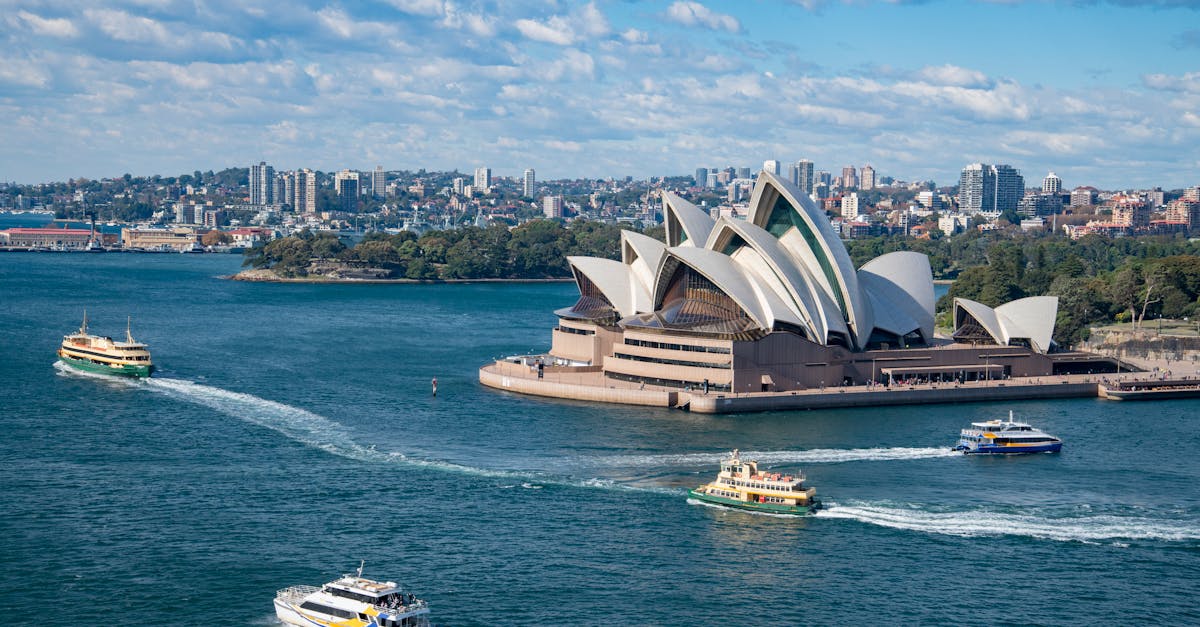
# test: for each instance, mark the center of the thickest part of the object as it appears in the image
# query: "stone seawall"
(493, 378)
(916, 395)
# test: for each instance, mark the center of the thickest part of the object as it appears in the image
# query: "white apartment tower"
(527, 190)
(850, 207)
(772, 166)
(262, 179)
(378, 182)
(552, 206)
(867, 179)
(305, 189)
(483, 179)
(984, 188)
(1051, 184)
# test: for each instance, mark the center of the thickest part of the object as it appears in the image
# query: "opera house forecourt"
(728, 314)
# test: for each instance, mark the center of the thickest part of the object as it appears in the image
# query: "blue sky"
(1104, 93)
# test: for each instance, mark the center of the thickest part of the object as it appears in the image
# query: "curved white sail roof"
(793, 282)
(901, 288)
(807, 235)
(642, 255)
(1026, 318)
(610, 277)
(686, 224)
(723, 273)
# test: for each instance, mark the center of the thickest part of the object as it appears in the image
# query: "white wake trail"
(811, 456)
(984, 523)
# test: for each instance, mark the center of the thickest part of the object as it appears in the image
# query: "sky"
(1102, 92)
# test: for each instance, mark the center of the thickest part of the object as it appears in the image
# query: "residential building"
(529, 182)
(984, 188)
(1183, 210)
(483, 179)
(803, 175)
(305, 192)
(866, 180)
(378, 182)
(459, 185)
(1051, 184)
(1083, 197)
(552, 206)
(849, 177)
(262, 184)
(701, 177)
(1129, 211)
(850, 207)
(346, 184)
(1040, 204)
(771, 166)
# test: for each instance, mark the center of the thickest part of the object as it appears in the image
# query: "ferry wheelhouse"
(997, 437)
(741, 484)
(352, 601)
(97, 353)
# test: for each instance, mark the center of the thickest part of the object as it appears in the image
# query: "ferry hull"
(123, 370)
(1013, 450)
(770, 508)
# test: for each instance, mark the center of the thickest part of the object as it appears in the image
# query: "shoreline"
(263, 277)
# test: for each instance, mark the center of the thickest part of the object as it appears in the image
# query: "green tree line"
(536, 249)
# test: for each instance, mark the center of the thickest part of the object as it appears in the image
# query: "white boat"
(997, 437)
(351, 601)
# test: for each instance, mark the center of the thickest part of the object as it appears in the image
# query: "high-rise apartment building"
(849, 177)
(1192, 193)
(552, 206)
(743, 173)
(990, 188)
(867, 178)
(379, 182)
(850, 207)
(804, 175)
(279, 190)
(701, 177)
(1083, 196)
(772, 166)
(262, 178)
(346, 183)
(305, 191)
(530, 180)
(459, 185)
(1051, 184)
(483, 179)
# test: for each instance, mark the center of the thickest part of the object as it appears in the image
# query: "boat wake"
(1089, 529)
(811, 456)
(319, 432)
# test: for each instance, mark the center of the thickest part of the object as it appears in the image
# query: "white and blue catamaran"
(997, 437)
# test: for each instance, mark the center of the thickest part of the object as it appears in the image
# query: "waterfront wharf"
(588, 383)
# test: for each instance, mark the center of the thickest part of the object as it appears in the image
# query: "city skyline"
(602, 89)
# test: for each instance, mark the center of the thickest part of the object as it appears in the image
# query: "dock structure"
(589, 384)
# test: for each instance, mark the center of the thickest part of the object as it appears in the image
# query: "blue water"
(290, 433)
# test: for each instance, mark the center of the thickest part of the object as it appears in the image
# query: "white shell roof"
(642, 254)
(858, 314)
(692, 219)
(1032, 318)
(900, 286)
(611, 278)
(725, 274)
(818, 314)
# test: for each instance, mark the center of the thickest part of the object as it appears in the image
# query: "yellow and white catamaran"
(351, 601)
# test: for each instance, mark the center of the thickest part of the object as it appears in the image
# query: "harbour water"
(290, 432)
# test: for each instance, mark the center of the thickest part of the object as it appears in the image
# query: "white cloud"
(343, 25)
(122, 26)
(566, 30)
(1189, 82)
(50, 27)
(427, 8)
(695, 14)
(955, 76)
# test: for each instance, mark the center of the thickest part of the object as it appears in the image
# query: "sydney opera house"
(773, 303)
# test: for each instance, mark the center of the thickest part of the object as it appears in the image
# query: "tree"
(216, 238)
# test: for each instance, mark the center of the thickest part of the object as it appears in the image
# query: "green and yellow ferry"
(741, 485)
(96, 353)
